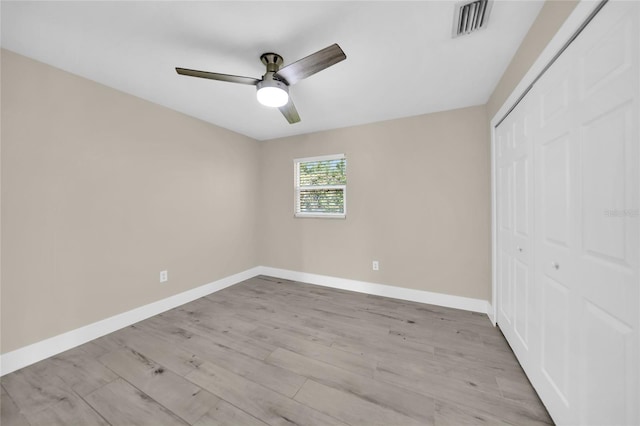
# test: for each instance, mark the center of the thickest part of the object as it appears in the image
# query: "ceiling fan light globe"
(272, 96)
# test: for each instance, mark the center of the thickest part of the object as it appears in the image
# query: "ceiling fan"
(273, 87)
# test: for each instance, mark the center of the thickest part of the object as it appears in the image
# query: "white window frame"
(296, 187)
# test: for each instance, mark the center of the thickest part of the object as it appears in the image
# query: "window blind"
(320, 186)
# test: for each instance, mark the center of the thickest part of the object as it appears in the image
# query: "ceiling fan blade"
(312, 64)
(290, 112)
(217, 76)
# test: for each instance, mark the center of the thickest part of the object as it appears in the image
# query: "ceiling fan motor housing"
(272, 92)
(269, 81)
(273, 61)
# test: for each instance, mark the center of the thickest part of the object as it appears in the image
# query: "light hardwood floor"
(270, 351)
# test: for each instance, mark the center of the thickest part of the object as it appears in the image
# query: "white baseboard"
(421, 296)
(27, 355)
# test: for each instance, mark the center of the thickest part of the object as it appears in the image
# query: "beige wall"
(101, 191)
(418, 201)
(549, 20)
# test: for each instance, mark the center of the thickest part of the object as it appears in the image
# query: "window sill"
(319, 216)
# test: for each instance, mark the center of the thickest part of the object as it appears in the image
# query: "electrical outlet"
(375, 265)
(164, 276)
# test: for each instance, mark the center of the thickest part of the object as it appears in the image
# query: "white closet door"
(607, 256)
(515, 226)
(555, 160)
(583, 307)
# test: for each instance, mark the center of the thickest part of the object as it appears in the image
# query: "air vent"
(471, 16)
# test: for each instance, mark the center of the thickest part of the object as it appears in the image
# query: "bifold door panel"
(567, 191)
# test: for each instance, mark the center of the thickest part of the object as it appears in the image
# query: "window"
(321, 186)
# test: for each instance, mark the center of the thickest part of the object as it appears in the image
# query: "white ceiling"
(401, 58)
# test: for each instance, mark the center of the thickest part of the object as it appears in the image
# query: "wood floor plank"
(450, 414)
(307, 312)
(376, 309)
(79, 369)
(108, 343)
(517, 390)
(200, 312)
(242, 343)
(385, 347)
(457, 391)
(474, 357)
(221, 335)
(122, 404)
(183, 398)
(356, 363)
(273, 377)
(349, 407)
(271, 407)
(385, 395)
(33, 391)
(93, 349)
(293, 326)
(424, 368)
(269, 316)
(446, 335)
(330, 310)
(69, 411)
(225, 414)
(9, 412)
(160, 350)
(497, 343)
